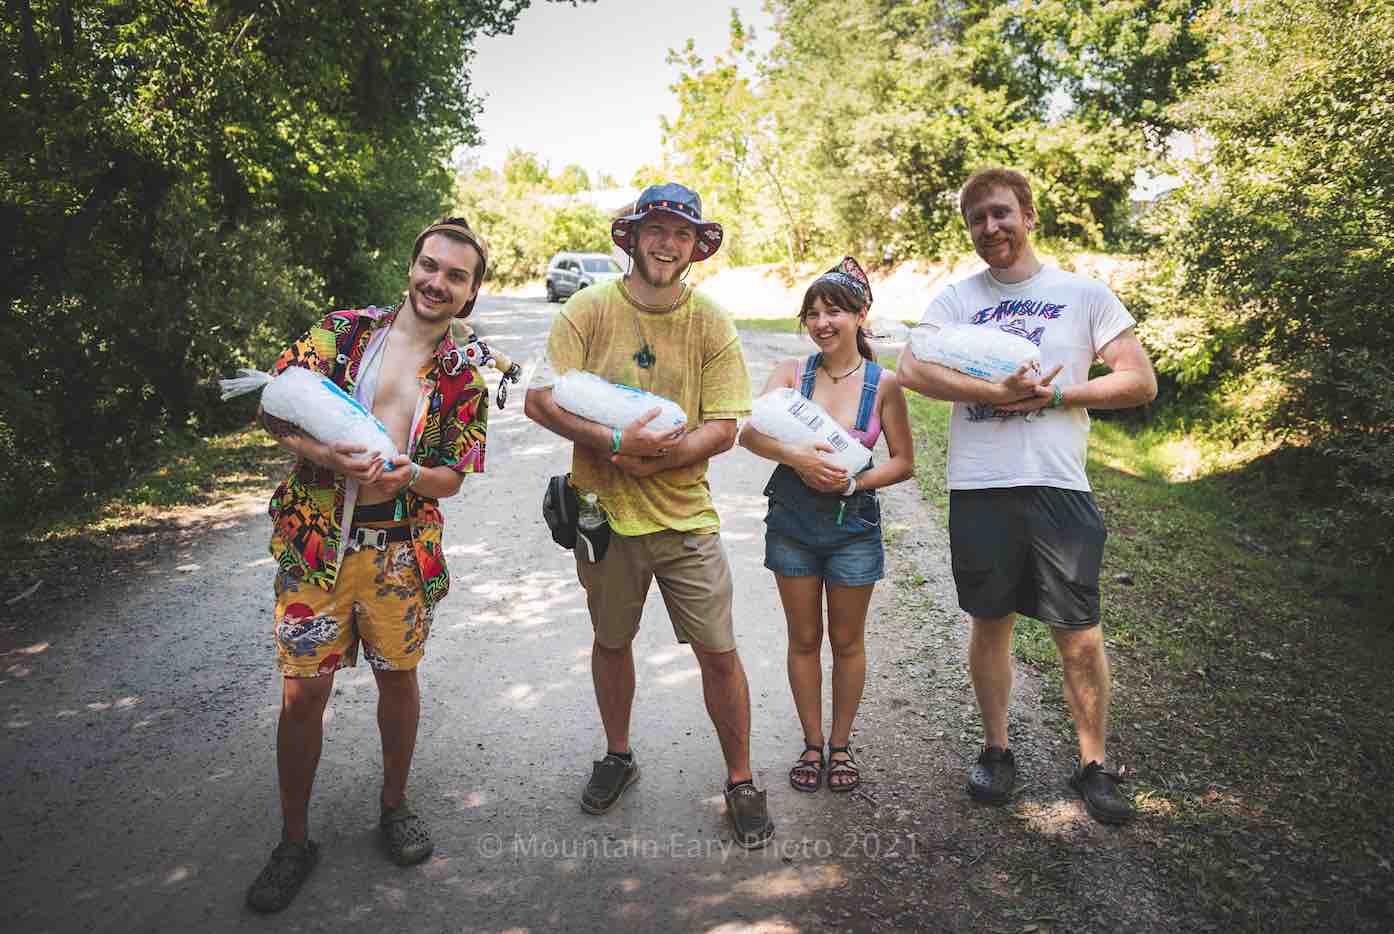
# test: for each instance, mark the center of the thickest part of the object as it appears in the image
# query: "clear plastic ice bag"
(785, 415)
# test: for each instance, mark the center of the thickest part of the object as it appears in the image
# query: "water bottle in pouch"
(592, 529)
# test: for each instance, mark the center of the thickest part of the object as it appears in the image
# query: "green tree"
(1282, 241)
(184, 184)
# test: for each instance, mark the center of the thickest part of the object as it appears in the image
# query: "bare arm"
(1132, 382)
(539, 406)
(346, 459)
(639, 446)
(895, 424)
(713, 438)
(940, 382)
(807, 461)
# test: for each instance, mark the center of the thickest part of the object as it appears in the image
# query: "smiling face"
(443, 278)
(664, 248)
(831, 322)
(999, 228)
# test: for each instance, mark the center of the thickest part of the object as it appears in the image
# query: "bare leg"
(399, 712)
(299, 737)
(727, 693)
(990, 666)
(1087, 687)
(803, 613)
(847, 635)
(612, 672)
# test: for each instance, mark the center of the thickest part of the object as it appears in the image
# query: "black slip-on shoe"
(1099, 789)
(290, 865)
(991, 780)
(609, 778)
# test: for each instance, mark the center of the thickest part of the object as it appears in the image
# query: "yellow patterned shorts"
(377, 600)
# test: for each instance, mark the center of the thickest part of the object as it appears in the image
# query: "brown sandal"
(804, 766)
(846, 766)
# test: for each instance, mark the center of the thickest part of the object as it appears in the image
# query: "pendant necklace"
(645, 357)
(837, 379)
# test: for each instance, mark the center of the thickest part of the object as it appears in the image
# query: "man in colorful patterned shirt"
(358, 539)
(651, 331)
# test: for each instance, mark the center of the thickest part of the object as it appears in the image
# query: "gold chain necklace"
(652, 309)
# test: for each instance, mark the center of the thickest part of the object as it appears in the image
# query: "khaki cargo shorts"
(693, 576)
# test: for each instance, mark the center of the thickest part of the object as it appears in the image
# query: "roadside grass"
(785, 325)
(71, 538)
(1251, 689)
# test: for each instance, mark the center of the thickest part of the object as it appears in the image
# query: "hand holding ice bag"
(612, 404)
(317, 407)
(785, 415)
(980, 351)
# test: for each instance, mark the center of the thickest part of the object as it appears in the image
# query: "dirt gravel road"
(137, 767)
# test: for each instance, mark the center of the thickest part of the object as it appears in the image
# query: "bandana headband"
(849, 273)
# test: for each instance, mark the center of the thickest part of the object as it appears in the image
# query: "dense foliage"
(856, 129)
(528, 214)
(1263, 300)
(1269, 301)
(184, 183)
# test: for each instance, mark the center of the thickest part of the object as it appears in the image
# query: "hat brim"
(709, 233)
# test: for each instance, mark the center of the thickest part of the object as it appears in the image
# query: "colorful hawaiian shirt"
(308, 508)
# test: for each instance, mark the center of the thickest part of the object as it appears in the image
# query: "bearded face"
(664, 249)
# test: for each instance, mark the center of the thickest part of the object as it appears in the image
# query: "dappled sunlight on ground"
(1053, 818)
(777, 884)
(528, 601)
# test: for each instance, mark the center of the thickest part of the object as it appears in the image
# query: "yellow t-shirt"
(697, 363)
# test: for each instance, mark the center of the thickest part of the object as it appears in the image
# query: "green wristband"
(1057, 398)
(615, 441)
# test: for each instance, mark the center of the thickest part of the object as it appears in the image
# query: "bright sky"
(586, 84)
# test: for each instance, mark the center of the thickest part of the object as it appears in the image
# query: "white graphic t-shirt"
(1070, 317)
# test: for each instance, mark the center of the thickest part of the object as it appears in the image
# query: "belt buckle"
(362, 538)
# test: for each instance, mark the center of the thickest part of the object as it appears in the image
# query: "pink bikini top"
(868, 427)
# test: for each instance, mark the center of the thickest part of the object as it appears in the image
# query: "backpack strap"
(870, 380)
(810, 372)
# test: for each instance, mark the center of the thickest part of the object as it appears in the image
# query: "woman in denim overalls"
(824, 527)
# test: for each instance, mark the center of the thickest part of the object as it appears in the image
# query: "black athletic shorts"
(1034, 550)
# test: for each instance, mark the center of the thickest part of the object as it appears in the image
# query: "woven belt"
(360, 537)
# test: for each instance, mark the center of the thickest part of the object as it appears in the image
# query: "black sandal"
(804, 766)
(846, 766)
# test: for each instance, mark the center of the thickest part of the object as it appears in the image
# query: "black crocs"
(290, 865)
(991, 780)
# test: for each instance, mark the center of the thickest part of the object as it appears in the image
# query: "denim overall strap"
(870, 381)
(810, 373)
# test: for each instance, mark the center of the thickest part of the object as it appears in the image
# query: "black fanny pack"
(560, 508)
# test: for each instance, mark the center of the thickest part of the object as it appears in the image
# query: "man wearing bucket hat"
(358, 541)
(652, 331)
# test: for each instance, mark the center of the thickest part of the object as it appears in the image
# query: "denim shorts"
(824, 548)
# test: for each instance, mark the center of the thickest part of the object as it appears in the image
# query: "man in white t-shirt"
(1024, 533)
